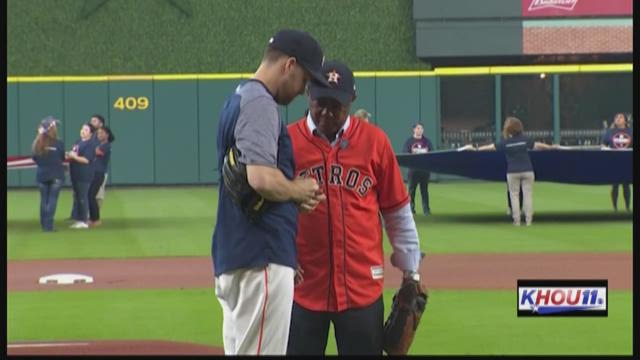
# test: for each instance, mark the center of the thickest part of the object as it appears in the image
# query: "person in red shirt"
(340, 255)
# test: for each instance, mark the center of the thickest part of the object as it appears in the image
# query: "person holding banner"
(81, 170)
(619, 137)
(520, 172)
(48, 154)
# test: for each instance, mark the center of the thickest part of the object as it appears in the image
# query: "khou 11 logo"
(562, 297)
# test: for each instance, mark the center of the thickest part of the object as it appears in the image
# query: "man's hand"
(308, 194)
(306, 188)
(310, 205)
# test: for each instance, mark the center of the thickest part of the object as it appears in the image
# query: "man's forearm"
(403, 236)
(270, 182)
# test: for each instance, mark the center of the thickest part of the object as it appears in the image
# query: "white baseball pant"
(256, 307)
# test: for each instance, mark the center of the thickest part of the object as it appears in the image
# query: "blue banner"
(584, 166)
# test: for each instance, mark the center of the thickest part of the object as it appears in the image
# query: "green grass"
(467, 217)
(455, 323)
(136, 223)
(471, 217)
(191, 315)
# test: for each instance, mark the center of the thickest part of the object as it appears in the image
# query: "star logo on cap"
(333, 77)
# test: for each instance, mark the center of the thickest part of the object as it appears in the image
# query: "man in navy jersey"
(103, 154)
(255, 260)
(98, 122)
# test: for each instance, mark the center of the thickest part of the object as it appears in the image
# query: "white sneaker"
(79, 225)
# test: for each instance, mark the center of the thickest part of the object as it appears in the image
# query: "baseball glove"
(400, 328)
(234, 174)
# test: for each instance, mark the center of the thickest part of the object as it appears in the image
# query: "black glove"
(234, 175)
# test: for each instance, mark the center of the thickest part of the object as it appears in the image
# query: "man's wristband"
(411, 275)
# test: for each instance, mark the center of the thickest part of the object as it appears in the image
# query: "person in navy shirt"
(81, 169)
(101, 163)
(419, 144)
(48, 154)
(619, 137)
(97, 121)
(520, 174)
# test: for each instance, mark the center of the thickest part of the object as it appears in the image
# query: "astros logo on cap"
(333, 76)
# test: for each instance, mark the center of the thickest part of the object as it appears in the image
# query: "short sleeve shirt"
(516, 150)
(258, 127)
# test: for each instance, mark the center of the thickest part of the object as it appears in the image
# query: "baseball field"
(153, 283)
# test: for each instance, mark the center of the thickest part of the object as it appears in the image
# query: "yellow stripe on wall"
(606, 67)
(225, 76)
(442, 71)
(535, 69)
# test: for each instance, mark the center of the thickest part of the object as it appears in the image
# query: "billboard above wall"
(576, 8)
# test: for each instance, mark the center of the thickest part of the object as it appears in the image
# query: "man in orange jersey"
(340, 256)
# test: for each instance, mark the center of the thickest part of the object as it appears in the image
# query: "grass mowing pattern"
(455, 323)
(467, 218)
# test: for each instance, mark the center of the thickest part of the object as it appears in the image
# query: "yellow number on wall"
(143, 103)
(131, 103)
(119, 104)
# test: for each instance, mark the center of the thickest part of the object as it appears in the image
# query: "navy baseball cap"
(48, 122)
(341, 84)
(304, 48)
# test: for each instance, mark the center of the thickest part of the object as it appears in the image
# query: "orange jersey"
(339, 244)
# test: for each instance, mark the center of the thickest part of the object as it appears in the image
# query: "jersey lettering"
(352, 179)
(318, 171)
(336, 175)
(365, 186)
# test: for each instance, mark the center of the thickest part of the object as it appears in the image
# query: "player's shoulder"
(254, 96)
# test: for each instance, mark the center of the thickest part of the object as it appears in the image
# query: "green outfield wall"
(166, 125)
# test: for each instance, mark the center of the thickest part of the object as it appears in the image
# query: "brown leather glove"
(408, 305)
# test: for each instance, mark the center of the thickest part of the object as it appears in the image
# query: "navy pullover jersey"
(250, 121)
